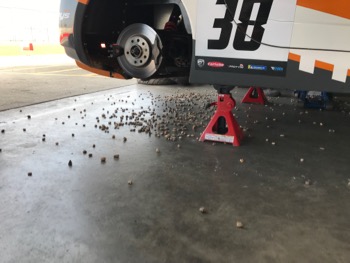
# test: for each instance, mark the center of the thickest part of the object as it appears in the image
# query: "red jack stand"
(223, 127)
(255, 95)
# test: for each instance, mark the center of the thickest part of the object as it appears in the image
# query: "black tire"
(161, 81)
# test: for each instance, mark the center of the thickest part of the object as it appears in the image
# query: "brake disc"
(142, 51)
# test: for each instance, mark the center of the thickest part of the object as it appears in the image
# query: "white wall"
(33, 21)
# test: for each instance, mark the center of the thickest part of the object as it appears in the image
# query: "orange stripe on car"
(99, 71)
(324, 65)
(294, 57)
(349, 72)
(318, 63)
(335, 7)
(84, 2)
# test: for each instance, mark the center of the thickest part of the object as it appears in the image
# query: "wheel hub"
(137, 51)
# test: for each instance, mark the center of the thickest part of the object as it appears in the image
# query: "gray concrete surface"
(27, 80)
(288, 183)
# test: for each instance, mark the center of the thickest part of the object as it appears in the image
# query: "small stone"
(70, 163)
(103, 160)
(30, 174)
(57, 143)
(125, 139)
(116, 156)
(130, 182)
(24, 130)
(301, 160)
(282, 135)
(239, 224)
(203, 210)
(90, 155)
(322, 148)
(29, 117)
(157, 150)
(2, 131)
(84, 152)
(113, 137)
(241, 160)
(73, 135)
(43, 139)
(178, 146)
(273, 143)
(93, 146)
(307, 182)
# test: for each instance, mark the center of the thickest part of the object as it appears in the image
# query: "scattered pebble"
(103, 160)
(239, 224)
(273, 143)
(2, 131)
(301, 160)
(84, 152)
(241, 160)
(322, 148)
(90, 155)
(30, 174)
(116, 156)
(130, 182)
(24, 130)
(203, 210)
(29, 117)
(70, 163)
(307, 182)
(57, 143)
(157, 150)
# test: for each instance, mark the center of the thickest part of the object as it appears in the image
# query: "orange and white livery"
(287, 44)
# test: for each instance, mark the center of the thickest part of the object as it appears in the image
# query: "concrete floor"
(288, 183)
(27, 80)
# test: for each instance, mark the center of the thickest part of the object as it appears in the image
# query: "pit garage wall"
(305, 70)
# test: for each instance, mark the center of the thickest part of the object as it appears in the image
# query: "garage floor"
(288, 184)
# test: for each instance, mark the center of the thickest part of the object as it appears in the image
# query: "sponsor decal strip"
(242, 66)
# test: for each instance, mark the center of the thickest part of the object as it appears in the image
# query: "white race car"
(287, 44)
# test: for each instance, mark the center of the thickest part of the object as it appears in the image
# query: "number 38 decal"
(225, 24)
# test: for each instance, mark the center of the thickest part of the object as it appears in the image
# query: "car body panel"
(304, 44)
